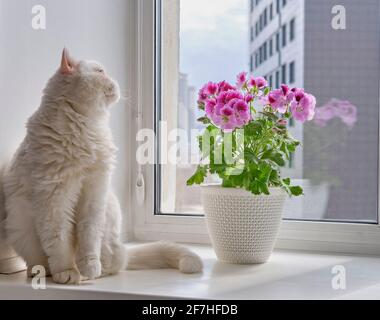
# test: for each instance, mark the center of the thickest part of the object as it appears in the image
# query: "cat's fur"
(60, 212)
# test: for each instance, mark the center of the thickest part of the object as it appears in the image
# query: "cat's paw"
(90, 268)
(190, 264)
(70, 276)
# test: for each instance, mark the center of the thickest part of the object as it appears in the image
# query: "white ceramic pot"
(243, 227)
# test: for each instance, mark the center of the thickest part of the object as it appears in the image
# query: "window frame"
(353, 238)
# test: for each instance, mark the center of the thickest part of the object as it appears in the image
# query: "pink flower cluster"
(230, 107)
(297, 101)
(335, 108)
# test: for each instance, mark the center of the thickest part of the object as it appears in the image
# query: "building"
(294, 42)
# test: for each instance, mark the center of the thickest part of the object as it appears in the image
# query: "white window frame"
(312, 236)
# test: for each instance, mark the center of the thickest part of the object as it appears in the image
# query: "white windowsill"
(288, 275)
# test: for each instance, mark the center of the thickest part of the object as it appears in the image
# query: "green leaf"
(286, 181)
(296, 191)
(275, 156)
(198, 177)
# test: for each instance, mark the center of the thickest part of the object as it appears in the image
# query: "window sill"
(288, 275)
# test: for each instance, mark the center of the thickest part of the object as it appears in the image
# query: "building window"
(283, 3)
(277, 41)
(251, 62)
(283, 74)
(265, 51)
(252, 5)
(252, 34)
(292, 72)
(284, 37)
(261, 55)
(265, 17)
(278, 79)
(261, 22)
(256, 59)
(271, 11)
(292, 29)
(257, 29)
(278, 6)
(271, 47)
(271, 81)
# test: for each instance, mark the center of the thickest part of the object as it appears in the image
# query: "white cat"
(60, 212)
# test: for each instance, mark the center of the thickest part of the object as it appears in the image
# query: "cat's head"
(85, 84)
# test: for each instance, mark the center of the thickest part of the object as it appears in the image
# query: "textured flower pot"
(243, 227)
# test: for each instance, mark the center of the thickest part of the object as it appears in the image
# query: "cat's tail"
(160, 255)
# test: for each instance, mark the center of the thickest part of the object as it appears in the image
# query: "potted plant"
(245, 143)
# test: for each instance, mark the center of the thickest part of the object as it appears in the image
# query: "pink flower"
(211, 88)
(242, 113)
(248, 98)
(304, 110)
(279, 99)
(235, 94)
(202, 96)
(261, 82)
(210, 107)
(241, 79)
(258, 82)
(252, 82)
(225, 86)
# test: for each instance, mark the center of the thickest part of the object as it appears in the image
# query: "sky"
(214, 39)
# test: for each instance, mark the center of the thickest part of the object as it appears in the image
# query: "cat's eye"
(99, 70)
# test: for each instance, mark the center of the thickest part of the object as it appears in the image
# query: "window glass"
(338, 164)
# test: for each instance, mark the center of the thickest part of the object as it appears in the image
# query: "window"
(271, 47)
(252, 34)
(292, 72)
(339, 192)
(271, 11)
(271, 81)
(283, 35)
(283, 3)
(251, 63)
(261, 22)
(277, 41)
(292, 29)
(265, 17)
(257, 29)
(256, 59)
(252, 5)
(278, 6)
(277, 79)
(265, 51)
(283, 74)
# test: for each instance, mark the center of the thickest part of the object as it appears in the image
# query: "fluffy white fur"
(59, 209)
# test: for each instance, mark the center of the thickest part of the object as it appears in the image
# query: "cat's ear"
(67, 63)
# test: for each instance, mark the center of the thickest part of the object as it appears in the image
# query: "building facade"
(295, 42)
